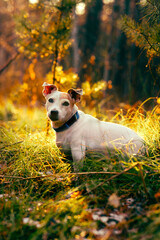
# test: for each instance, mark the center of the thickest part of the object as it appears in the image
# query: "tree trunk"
(75, 63)
(89, 40)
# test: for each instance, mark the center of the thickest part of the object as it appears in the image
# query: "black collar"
(68, 124)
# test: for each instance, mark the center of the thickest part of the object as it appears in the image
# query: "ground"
(114, 197)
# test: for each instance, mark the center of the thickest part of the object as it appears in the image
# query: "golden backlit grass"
(39, 195)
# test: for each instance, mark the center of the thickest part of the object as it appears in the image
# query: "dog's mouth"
(53, 119)
(53, 115)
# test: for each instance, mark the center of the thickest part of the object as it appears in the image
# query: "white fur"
(90, 133)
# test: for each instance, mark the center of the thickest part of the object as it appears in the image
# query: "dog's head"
(60, 105)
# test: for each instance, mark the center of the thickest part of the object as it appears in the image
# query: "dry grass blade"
(10, 145)
(61, 175)
(119, 174)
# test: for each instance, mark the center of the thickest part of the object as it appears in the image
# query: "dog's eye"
(65, 104)
(51, 100)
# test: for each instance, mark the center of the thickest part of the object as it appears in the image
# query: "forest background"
(80, 43)
(111, 49)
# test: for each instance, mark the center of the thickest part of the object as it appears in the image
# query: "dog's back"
(97, 135)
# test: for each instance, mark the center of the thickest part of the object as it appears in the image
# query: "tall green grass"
(40, 198)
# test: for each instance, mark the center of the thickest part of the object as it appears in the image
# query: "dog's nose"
(53, 115)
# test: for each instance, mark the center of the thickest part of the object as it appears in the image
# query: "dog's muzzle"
(53, 115)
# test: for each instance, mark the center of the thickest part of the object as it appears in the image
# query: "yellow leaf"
(114, 200)
(158, 100)
(92, 60)
(31, 71)
(21, 49)
(34, 31)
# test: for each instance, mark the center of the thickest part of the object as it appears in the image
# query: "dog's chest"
(63, 140)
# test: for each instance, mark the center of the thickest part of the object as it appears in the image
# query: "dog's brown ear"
(75, 94)
(48, 88)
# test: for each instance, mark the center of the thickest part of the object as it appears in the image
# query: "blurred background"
(105, 47)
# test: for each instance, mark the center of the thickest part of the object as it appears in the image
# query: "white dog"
(78, 132)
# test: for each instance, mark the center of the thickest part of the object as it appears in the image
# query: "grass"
(111, 198)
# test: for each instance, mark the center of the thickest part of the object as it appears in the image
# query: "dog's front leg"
(78, 154)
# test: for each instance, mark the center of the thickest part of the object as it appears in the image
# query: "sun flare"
(80, 8)
(108, 1)
(33, 1)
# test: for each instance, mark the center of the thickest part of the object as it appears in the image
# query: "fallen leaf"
(114, 200)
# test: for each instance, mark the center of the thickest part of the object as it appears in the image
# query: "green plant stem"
(142, 177)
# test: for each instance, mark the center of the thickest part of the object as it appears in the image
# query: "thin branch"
(57, 175)
(124, 172)
(151, 46)
(9, 62)
(144, 184)
(56, 52)
(55, 60)
(144, 36)
(117, 175)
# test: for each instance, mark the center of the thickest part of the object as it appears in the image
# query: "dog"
(79, 132)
